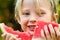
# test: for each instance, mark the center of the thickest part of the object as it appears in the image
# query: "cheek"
(24, 22)
(24, 19)
(46, 18)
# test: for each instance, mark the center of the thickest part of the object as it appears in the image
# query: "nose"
(32, 19)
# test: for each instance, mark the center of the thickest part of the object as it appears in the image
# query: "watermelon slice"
(22, 35)
(40, 25)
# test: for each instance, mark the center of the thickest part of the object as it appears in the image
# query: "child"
(27, 12)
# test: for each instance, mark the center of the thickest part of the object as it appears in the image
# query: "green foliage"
(58, 9)
(59, 16)
(0, 37)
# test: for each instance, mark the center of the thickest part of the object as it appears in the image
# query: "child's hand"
(46, 35)
(49, 33)
(57, 32)
(8, 36)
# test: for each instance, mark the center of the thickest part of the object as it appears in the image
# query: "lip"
(31, 27)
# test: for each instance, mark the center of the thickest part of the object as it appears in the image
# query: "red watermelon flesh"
(22, 35)
(40, 25)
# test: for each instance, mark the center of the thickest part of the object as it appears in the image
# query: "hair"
(20, 2)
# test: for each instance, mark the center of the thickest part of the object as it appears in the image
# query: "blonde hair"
(36, 2)
(18, 4)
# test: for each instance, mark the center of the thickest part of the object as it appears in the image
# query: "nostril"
(32, 21)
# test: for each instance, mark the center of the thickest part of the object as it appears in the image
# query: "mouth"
(31, 27)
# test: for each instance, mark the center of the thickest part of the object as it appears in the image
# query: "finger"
(52, 31)
(19, 39)
(3, 36)
(47, 32)
(57, 30)
(59, 27)
(42, 35)
(8, 36)
(13, 38)
(16, 35)
(36, 39)
(58, 33)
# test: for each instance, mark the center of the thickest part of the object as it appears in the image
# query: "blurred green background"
(7, 13)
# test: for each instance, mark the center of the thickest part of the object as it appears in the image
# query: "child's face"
(29, 15)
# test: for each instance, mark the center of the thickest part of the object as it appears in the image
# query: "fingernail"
(50, 25)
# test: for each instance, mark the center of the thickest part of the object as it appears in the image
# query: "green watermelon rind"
(2, 28)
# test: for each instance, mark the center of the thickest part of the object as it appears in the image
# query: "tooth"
(36, 26)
